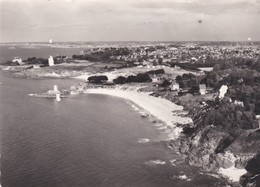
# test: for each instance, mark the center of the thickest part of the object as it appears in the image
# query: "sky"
(129, 20)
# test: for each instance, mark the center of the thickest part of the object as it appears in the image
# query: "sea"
(83, 140)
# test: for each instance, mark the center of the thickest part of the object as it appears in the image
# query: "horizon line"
(133, 41)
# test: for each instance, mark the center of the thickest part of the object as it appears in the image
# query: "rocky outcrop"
(218, 139)
(252, 177)
(201, 149)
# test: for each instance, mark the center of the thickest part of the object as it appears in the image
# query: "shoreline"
(165, 111)
(160, 108)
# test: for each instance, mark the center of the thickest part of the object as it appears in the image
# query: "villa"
(202, 89)
(175, 87)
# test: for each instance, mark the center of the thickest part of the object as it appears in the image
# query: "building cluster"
(169, 53)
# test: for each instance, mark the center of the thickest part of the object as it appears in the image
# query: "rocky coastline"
(223, 137)
(225, 152)
(228, 151)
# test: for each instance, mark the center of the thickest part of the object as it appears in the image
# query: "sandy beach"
(160, 108)
(232, 173)
(164, 110)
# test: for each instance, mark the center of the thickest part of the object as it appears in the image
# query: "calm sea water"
(8, 52)
(84, 140)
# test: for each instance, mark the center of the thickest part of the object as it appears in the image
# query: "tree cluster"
(30, 61)
(249, 95)
(155, 72)
(189, 81)
(165, 83)
(34, 60)
(224, 116)
(228, 115)
(97, 79)
(243, 83)
(186, 66)
(139, 78)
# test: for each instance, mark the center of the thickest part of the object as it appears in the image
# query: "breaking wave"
(155, 162)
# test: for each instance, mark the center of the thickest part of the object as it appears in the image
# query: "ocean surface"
(83, 140)
(8, 52)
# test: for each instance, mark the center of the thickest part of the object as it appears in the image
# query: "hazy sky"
(129, 20)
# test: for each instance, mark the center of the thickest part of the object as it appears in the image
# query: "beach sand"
(232, 173)
(160, 108)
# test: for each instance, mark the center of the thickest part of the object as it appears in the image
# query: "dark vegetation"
(188, 81)
(187, 66)
(252, 176)
(222, 63)
(139, 78)
(156, 72)
(37, 61)
(225, 115)
(10, 63)
(30, 61)
(120, 80)
(97, 79)
(34, 60)
(242, 78)
(165, 83)
(222, 124)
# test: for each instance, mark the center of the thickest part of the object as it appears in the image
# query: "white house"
(202, 89)
(193, 59)
(175, 87)
(241, 103)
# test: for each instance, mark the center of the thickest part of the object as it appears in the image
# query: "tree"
(158, 71)
(216, 67)
(120, 80)
(97, 79)
(130, 78)
(187, 80)
(165, 83)
(160, 61)
(141, 77)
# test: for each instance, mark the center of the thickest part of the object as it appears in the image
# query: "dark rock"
(247, 142)
(223, 160)
(252, 177)
(250, 180)
(253, 165)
